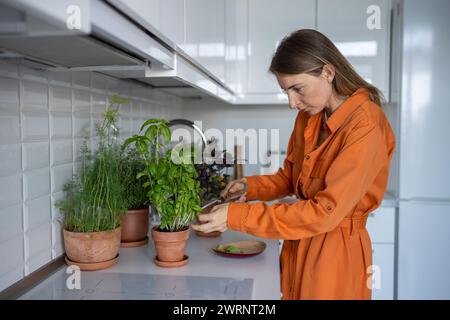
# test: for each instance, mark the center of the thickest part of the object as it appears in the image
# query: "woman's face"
(308, 93)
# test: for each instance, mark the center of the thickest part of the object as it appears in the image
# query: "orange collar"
(347, 107)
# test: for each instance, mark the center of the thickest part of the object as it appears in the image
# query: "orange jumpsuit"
(327, 250)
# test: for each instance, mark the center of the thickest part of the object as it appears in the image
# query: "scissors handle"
(222, 200)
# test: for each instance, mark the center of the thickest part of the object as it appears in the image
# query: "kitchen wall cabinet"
(162, 17)
(172, 20)
(148, 11)
(361, 31)
(205, 34)
(236, 46)
(234, 40)
(268, 22)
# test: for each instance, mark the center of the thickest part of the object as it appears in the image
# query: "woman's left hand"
(215, 220)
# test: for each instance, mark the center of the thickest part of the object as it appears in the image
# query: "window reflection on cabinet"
(360, 30)
(268, 23)
(205, 34)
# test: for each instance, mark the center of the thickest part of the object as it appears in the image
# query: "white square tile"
(35, 126)
(11, 254)
(81, 121)
(37, 212)
(60, 175)
(38, 245)
(9, 93)
(99, 82)
(58, 249)
(35, 155)
(33, 74)
(125, 110)
(96, 120)
(10, 190)
(145, 107)
(61, 78)
(9, 278)
(136, 108)
(9, 69)
(10, 159)
(34, 95)
(136, 124)
(99, 103)
(81, 101)
(124, 89)
(125, 125)
(60, 125)
(11, 222)
(77, 143)
(57, 240)
(61, 98)
(56, 214)
(38, 260)
(81, 80)
(36, 183)
(61, 152)
(113, 85)
(94, 145)
(9, 126)
(76, 167)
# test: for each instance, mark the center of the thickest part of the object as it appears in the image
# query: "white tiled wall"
(216, 114)
(42, 118)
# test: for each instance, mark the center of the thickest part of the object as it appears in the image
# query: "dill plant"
(94, 198)
(131, 164)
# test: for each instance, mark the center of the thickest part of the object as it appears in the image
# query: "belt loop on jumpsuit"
(354, 224)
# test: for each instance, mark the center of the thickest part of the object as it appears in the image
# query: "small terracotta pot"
(170, 246)
(91, 247)
(207, 234)
(135, 225)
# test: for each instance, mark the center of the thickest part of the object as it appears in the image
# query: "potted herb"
(212, 180)
(173, 191)
(135, 223)
(93, 204)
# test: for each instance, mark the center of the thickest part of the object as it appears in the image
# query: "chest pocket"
(317, 176)
(321, 168)
(296, 160)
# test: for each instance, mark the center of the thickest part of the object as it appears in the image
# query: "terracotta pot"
(91, 247)
(135, 225)
(207, 234)
(170, 246)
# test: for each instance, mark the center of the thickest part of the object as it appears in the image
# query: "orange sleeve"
(348, 179)
(272, 186)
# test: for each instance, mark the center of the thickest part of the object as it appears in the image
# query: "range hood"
(92, 35)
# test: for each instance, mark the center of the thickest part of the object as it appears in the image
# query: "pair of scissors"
(221, 200)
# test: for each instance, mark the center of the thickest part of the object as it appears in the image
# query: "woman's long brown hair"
(307, 51)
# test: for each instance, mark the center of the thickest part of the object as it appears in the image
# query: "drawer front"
(381, 225)
(383, 272)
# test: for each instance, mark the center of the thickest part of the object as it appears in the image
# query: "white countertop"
(257, 277)
(263, 269)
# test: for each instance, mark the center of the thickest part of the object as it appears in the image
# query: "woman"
(337, 165)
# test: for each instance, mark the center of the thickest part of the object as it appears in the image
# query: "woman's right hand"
(235, 187)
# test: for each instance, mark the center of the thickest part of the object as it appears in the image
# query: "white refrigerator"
(423, 269)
